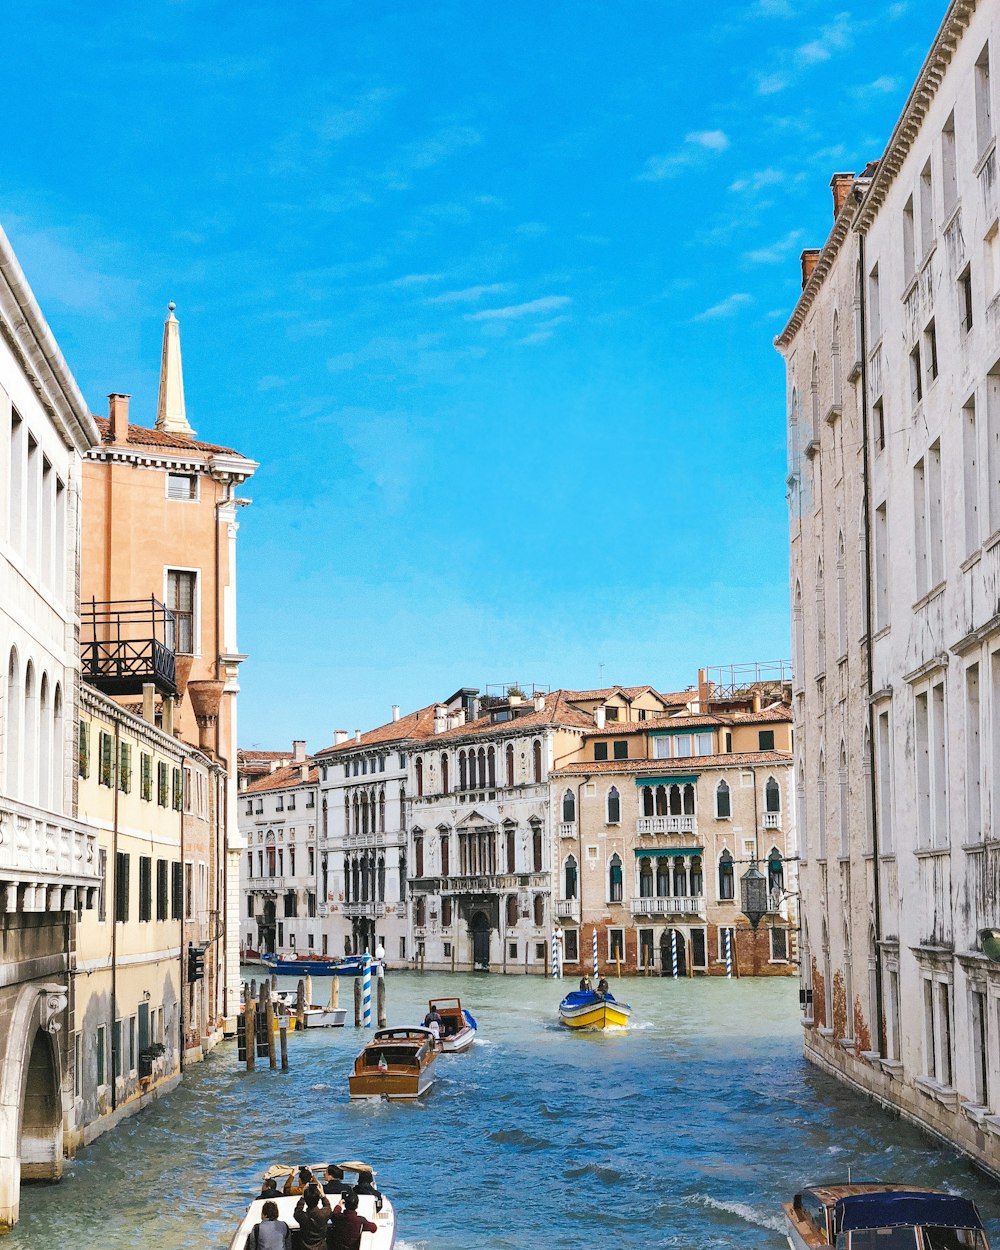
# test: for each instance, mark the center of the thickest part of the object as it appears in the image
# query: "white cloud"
(836, 36)
(416, 279)
(728, 307)
(532, 229)
(713, 140)
(758, 180)
(771, 84)
(471, 294)
(697, 142)
(885, 84)
(548, 303)
(777, 251)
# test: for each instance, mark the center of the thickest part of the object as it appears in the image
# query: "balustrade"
(37, 846)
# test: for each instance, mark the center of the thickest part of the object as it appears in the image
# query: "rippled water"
(688, 1131)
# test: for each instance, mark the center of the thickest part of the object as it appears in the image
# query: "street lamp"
(753, 895)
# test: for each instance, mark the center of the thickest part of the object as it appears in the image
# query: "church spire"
(170, 414)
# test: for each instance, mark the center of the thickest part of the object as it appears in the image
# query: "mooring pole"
(380, 1001)
(250, 1026)
(357, 1002)
(300, 1006)
(272, 1058)
(283, 1032)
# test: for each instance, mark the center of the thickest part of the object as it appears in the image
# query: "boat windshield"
(927, 1238)
(954, 1239)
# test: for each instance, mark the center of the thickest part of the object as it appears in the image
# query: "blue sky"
(488, 290)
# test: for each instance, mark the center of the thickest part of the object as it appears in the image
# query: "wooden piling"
(250, 1019)
(253, 988)
(283, 1035)
(357, 1002)
(618, 964)
(380, 1001)
(268, 1005)
(300, 1006)
(335, 992)
(309, 990)
(274, 982)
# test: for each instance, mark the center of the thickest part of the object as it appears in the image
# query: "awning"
(688, 780)
(665, 852)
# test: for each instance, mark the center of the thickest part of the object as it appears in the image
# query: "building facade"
(48, 858)
(894, 491)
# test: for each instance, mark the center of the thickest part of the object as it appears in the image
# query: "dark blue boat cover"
(904, 1208)
(585, 998)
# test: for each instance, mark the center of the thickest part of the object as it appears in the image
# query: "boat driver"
(603, 987)
(433, 1021)
(333, 1181)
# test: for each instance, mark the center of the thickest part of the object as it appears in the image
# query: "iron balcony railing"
(124, 645)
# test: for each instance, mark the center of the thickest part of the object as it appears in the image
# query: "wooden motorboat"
(316, 966)
(891, 1217)
(458, 1028)
(371, 1204)
(587, 1009)
(395, 1064)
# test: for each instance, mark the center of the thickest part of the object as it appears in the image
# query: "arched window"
(688, 799)
(841, 595)
(402, 874)
(835, 360)
(536, 846)
(58, 739)
(364, 814)
(348, 896)
(325, 826)
(697, 877)
(844, 814)
(44, 744)
(675, 800)
(381, 879)
(772, 796)
(798, 638)
(444, 774)
(615, 879)
(402, 808)
(661, 801)
(539, 911)
(821, 807)
(647, 800)
(680, 878)
(418, 856)
(775, 871)
(726, 876)
(13, 716)
(381, 811)
(509, 760)
(793, 434)
(723, 802)
(491, 768)
(355, 881)
(662, 877)
(569, 871)
(569, 807)
(420, 911)
(536, 760)
(446, 916)
(29, 778)
(820, 619)
(614, 807)
(511, 851)
(645, 877)
(511, 910)
(445, 858)
(419, 768)
(814, 399)
(801, 816)
(481, 761)
(462, 775)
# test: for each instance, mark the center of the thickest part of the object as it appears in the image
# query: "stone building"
(48, 858)
(893, 395)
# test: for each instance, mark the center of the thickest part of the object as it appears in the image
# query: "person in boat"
(366, 1186)
(269, 1189)
(346, 1225)
(333, 1181)
(603, 987)
(586, 984)
(271, 1233)
(298, 1185)
(312, 1214)
(433, 1021)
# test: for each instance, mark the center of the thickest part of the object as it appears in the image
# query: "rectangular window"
(945, 1073)
(571, 946)
(77, 1065)
(101, 1060)
(765, 740)
(621, 749)
(874, 306)
(616, 945)
(178, 790)
(970, 469)
(84, 764)
(107, 760)
(935, 516)
(993, 448)
(116, 1048)
(923, 767)
(181, 592)
(920, 527)
(176, 890)
(511, 950)
(145, 776)
(930, 1033)
(973, 758)
(885, 783)
(991, 262)
(779, 945)
(188, 890)
(121, 887)
(878, 424)
(930, 353)
(541, 950)
(939, 765)
(984, 101)
(182, 486)
(980, 1047)
(600, 750)
(926, 189)
(909, 242)
(162, 784)
(892, 1040)
(916, 377)
(131, 1044)
(102, 896)
(125, 767)
(949, 168)
(279, 803)
(162, 901)
(145, 888)
(186, 789)
(881, 567)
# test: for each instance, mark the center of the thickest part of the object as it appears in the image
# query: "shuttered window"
(145, 888)
(161, 889)
(180, 600)
(121, 886)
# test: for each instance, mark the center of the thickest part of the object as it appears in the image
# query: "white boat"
(891, 1217)
(457, 1029)
(372, 1206)
(314, 1016)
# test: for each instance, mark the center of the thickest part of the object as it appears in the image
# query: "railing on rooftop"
(125, 644)
(732, 681)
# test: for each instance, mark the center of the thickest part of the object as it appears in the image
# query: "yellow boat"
(586, 1009)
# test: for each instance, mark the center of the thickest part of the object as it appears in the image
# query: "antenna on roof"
(600, 679)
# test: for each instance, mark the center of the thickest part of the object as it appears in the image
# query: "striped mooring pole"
(729, 953)
(596, 973)
(673, 951)
(366, 994)
(556, 969)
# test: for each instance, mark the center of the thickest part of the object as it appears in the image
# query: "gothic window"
(536, 846)
(614, 806)
(445, 846)
(689, 800)
(615, 879)
(645, 878)
(647, 800)
(420, 911)
(418, 856)
(662, 877)
(402, 808)
(570, 878)
(446, 917)
(419, 769)
(381, 811)
(462, 775)
(697, 877)
(539, 911)
(491, 768)
(511, 858)
(723, 801)
(775, 871)
(511, 910)
(536, 761)
(347, 880)
(444, 774)
(569, 806)
(326, 818)
(727, 881)
(772, 796)
(509, 757)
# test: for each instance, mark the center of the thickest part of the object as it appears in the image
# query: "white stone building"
(894, 492)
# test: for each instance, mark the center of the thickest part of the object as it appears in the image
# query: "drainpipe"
(183, 981)
(114, 912)
(869, 662)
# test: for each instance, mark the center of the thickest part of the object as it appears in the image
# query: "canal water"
(688, 1131)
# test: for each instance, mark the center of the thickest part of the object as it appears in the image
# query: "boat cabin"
(406, 1046)
(452, 1017)
(883, 1217)
(394, 1064)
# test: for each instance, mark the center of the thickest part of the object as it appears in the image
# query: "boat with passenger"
(591, 1009)
(372, 1205)
(457, 1028)
(316, 965)
(876, 1216)
(395, 1065)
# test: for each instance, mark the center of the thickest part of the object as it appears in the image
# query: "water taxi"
(316, 966)
(395, 1065)
(458, 1028)
(313, 1016)
(587, 1009)
(889, 1217)
(372, 1205)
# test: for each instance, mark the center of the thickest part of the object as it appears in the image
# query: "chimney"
(395, 711)
(206, 697)
(304, 772)
(704, 691)
(756, 700)
(841, 186)
(118, 415)
(809, 258)
(298, 750)
(357, 735)
(149, 702)
(600, 715)
(339, 736)
(539, 703)
(440, 718)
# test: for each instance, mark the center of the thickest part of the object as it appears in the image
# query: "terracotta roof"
(767, 715)
(696, 720)
(558, 710)
(666, 768)
(283, 779)
(244, 756)
(143, 437)
(419, 724)
(628, 692)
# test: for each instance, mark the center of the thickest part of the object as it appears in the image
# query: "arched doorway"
(41, 1145)
(267, 928)
(480, 930)
(667, 954)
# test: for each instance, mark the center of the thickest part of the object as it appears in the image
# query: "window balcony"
(124, 646)
(568, 909)
(48, 862)
(772, 820)
(494, 884)
(364, 839)
(567, 828)
(366, 911)
(675, 906)
(665, 824)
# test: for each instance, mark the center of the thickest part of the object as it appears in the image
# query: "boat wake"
(745, 1212)
(517, 1137)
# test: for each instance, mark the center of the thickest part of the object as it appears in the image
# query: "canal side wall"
(956, 1126)
(89, 1132)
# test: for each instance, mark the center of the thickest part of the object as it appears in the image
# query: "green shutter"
(125, 768)
(146, 783)
(162, 782)
(107, 760)
(178, 790)
(84, 748)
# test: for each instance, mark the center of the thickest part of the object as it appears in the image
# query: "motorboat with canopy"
(870, 1216)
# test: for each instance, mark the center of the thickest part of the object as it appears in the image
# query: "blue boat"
(350, 966)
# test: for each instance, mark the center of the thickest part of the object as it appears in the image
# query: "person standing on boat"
(271, 1233)
(346, 1226)
(433, 1021)
(312, 1214)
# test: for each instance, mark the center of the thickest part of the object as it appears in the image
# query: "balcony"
(567, 829)
(494, 884)
(47, 862)
(568, 908)
(123, 646)
(665, 824)
(772, 820)
(365, 911)
(668, 906)
(364, 839)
